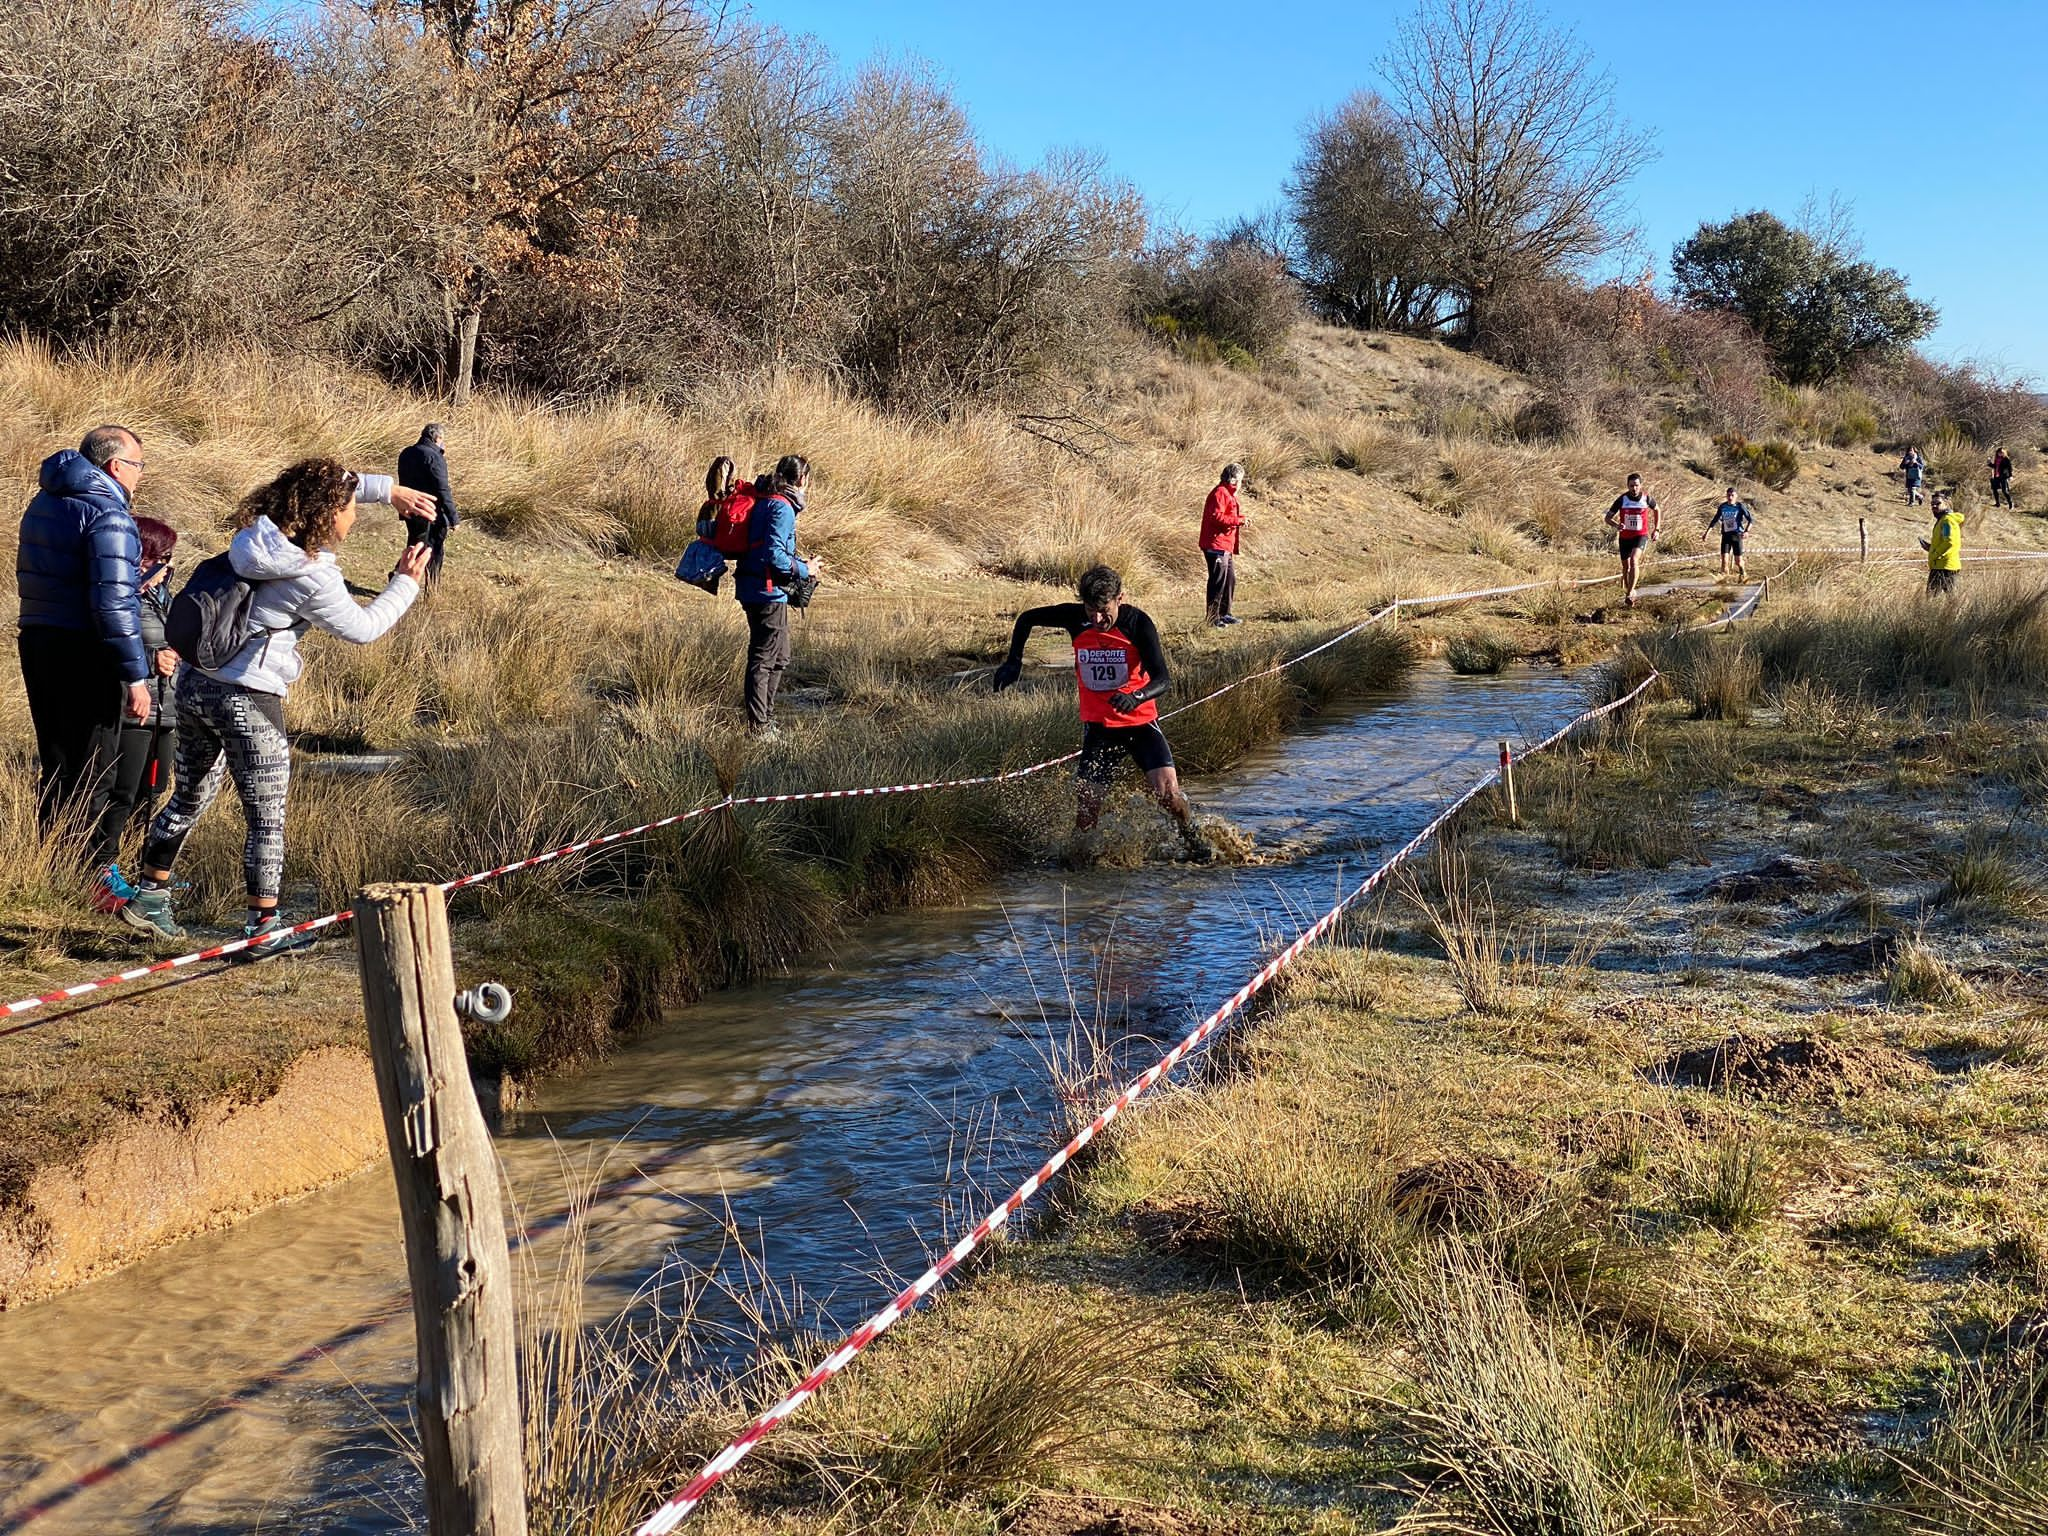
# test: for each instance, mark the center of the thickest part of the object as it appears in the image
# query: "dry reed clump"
(1920, 975)
(1481, 649)
(1994, 637)
(1609, 807)
(1984, 1468)
(1519, 1430)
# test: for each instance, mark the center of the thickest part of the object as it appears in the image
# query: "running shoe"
(111, 891)
(150, 912)
(272, 936)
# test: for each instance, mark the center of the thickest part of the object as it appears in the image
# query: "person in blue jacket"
(767, 573)
(78, 571)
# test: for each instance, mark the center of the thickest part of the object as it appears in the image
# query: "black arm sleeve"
(1144, 634)
(1071, 617)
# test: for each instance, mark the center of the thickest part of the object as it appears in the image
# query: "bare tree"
(1370, 251)
(570, 96)
(1515, 141)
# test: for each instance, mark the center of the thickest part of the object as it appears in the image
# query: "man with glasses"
(78, 571)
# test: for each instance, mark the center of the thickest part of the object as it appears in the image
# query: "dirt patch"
(1462, 1193)
(1190, 1231)
(1764, 1423)
(1863, 957)
(1780, 879)
(1797, 1067)
(1059, 1514)
(1797, 802)
(171, 1175)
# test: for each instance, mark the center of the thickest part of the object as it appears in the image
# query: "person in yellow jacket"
(1944, 546)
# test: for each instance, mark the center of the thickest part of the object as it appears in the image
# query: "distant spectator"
(82, 658)
(2001, 477)
(771, 575)
(1221, 518)
(424, 467)
(231, 718)
(148, 748)
(1915, 469)
(1944, 546)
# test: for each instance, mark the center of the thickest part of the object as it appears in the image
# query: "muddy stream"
(249, 1380)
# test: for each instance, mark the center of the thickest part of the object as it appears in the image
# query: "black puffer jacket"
(80, 559)
(163, 691)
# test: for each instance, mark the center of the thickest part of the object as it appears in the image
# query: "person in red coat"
(1221, 519)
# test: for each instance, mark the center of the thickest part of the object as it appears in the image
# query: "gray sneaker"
(150, 912)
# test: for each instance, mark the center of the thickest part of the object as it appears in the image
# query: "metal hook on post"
(488, 1002)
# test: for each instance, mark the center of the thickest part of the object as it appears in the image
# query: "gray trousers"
(223, 729)
(767, 659)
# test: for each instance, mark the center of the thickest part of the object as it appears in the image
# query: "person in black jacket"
(147, 748)
(424, 467)
(82, 659)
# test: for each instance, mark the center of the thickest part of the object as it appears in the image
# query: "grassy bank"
(1673, 1161)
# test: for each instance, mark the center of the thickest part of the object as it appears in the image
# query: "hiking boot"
(111, 891)
(273, 936)
(149, 912)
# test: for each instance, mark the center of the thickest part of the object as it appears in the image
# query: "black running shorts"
(1731, 544)
(1101, 744)
(1631, 542)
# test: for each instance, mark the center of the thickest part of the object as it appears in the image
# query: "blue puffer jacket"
(771, 558)
(80, 559)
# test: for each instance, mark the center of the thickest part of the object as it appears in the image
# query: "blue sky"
(1927, 119)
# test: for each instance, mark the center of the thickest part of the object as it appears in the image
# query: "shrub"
(1483, 649)
(1774, 463)
(1232, 294)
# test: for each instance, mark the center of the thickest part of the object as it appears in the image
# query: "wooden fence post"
(455, 1250)
(1862, 542)
(1507, 783)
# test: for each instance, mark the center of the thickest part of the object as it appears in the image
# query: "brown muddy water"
(257, 1378)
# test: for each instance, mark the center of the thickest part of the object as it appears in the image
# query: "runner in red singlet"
(1120, 670)
(1634, 518)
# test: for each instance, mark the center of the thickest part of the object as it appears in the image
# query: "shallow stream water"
(248, 1380)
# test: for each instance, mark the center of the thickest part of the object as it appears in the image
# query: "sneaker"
(1230, 618)
(150, 912)
(111, 891)
(766, 734)
(273, 936)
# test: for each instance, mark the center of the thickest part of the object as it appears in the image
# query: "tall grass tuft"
(1984, 1470)
(1519, 1437)
(1481, 649)
(1050, 1403)
(1461, 920)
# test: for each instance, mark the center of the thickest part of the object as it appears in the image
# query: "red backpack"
(722, 522)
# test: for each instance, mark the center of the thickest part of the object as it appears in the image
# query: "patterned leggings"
(223, 728)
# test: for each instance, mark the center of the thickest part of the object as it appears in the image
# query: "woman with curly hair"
(232, 718)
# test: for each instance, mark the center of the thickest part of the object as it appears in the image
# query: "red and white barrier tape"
(571, 850)
(673, 1513)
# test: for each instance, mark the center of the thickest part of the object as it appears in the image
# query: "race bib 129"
(1103, 671)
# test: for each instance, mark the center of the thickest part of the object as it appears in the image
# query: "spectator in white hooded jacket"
(231, 718)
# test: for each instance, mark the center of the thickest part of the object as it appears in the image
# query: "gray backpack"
(209, 618)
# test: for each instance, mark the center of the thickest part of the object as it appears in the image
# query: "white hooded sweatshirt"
(295, 592)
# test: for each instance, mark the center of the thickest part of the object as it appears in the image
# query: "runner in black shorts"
(1633, 517)
(1121, 671)
(1734, 519)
